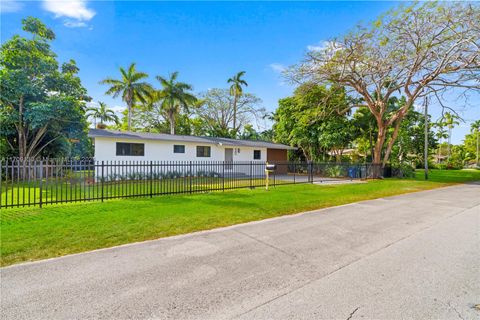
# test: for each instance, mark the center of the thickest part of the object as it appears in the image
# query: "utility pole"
(426, 138)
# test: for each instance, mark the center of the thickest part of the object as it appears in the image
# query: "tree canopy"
(224, 115)
(418, 50)
(131, 87)
(42, 105)
(173, 97)
(301, 120)
(236, 91)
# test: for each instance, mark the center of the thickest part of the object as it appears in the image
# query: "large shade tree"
(223, 114)
(175, 96)
(424, 49)
(131, 87)
(303, 120)
(151, 117)
(42, 104)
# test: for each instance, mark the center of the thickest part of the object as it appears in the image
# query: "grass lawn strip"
(33, 233)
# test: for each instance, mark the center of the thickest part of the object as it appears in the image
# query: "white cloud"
(10, 6)
(418, 107)
(118, 109)
(74, 24)
(320, 46)
(277, 67)
(73, 9)
(325, 45)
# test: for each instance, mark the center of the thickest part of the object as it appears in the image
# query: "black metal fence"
(49, 181)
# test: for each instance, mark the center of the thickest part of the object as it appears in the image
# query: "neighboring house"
(113, 145)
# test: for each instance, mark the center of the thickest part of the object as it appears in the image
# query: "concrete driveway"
(411, 256)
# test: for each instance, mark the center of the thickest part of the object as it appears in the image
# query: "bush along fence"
(49, 181)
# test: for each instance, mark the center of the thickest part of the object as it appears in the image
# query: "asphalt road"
(415, 256)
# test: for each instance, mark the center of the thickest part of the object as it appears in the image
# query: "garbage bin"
(352, 172)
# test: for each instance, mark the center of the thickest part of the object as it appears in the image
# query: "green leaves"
(36, 27)
(103, 113)
(314, 120)
(42, 105)
(237, 83)
(129, 87)
(174, 96)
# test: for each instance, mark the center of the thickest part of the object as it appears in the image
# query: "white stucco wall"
(105, 150)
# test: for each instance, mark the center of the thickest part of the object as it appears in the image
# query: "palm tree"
(130, 87)
(450, 120)
(440, 134)
(103, 113)
(174, 96)
(475, 128)
(236, 91)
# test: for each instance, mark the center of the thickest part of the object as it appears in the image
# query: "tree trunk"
(396, 130)
(371, 144)
(448, 145)
(129, 101)
(478, 141)
(129, 104)
(171, 117)
(21, 133)
(235, 114)
(377, 151)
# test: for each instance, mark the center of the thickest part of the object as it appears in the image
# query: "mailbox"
(270, 167)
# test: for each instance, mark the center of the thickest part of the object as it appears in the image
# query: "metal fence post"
(151, 179)
(190, 175)
(251, 173)
(41, 183)
(311, 171)
(223, 177)
(103, 178)
(294, 171)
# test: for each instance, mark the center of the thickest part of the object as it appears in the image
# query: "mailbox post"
(269, 168)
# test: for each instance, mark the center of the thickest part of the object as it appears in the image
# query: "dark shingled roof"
(178, 138)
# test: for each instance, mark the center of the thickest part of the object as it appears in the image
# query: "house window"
(130, 149)
(203, 151)
(257, 154)
(178, 148)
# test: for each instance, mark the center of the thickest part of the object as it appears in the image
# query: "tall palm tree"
(103, 113)
(440, 134)
(475, 128)
(174, 96)
(451, 120)
(130, 87)
(236, 91)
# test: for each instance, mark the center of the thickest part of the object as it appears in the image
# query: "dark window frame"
(257, 154)
(176, 146)
(132, 149)
(201, 154)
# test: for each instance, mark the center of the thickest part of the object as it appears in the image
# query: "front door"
(229, 158)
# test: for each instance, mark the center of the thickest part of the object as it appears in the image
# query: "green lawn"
(32, 234)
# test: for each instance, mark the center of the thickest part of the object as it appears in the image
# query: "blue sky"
(207, 42)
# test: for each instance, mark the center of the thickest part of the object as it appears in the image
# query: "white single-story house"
(113, 145)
